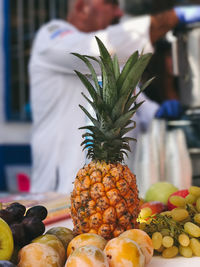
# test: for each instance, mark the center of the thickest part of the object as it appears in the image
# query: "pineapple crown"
(114, 104)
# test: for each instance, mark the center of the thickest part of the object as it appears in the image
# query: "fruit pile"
(132, 248)
(49, 249)
(19, 227)
(59, 247)
(177, 230)
(171, 229)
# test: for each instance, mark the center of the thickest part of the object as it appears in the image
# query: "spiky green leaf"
(104, 53)
(113, 103)
(116, 67)
(127, 67)
(93, 120)
(126, 130)
(109, 85)
(134, 75)
(122, 120)
(136, 106)
(91, 68)
(134, 97)
(119, 107)
(88, 85)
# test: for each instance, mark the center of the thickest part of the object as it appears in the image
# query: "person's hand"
(188, 14)
(169, 109)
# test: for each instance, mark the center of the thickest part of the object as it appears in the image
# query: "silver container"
(186, 64)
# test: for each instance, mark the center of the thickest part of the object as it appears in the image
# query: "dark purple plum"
(7, 216)
(18, 232)
(37, 211)
(7, 264)
(33, 227)
(17, 210)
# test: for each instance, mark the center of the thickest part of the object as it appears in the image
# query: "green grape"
(170, 252)
(198, 204)
(194, 190)
(190, 199)
(192, 229)
(184, 240)
(177, 201)
(185, 251)
(167, 241)
(197, 218)
(165, 232)
(157, 240)
(179, 214)
(195, 246)
(167, 213)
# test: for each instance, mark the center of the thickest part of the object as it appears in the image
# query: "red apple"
(182, 193)
(155, 206)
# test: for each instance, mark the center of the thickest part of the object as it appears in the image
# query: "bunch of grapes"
(25, 226)
(177, 231)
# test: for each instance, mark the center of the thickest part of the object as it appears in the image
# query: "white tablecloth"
(156, 261)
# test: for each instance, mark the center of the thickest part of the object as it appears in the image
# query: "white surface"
(156, 261)
(175, 262)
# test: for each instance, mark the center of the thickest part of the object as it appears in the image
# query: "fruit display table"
(156, 260)
(59, 215)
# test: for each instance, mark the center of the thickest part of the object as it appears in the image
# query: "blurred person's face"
(93, 15)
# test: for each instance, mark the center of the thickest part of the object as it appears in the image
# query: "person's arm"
(162, 23)
(167, 20)
(122, 39)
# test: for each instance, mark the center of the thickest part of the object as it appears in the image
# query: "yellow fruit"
(170, 252)
(87, 256)
(143, 240)
(194, 190)
(195, 246)
(6, 241)
(54, 242)
(157, 240)
(123, 252)
(39, 255)
(85, 240)
(104, 200)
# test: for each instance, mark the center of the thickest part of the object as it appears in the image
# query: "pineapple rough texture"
(105, 196)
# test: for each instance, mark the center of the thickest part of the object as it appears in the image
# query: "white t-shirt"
(56, 94)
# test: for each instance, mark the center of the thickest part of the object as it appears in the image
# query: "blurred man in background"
(56, 90)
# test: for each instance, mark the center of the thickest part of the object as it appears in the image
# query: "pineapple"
(105, 196)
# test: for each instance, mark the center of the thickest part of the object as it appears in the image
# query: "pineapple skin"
(104, 199)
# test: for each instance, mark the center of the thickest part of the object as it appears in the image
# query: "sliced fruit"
(87, 256)
(85, 240)
(6, 241)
